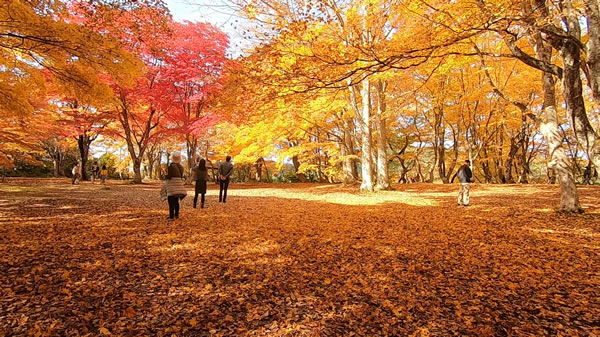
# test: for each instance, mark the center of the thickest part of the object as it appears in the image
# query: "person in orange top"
(103, 174)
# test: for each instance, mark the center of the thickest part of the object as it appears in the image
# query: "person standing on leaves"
(201, 177)
(174, 184)
(95, 171)
(464, 175)
(103, 174)
(76, 174)
(225, 171)
(587, 174)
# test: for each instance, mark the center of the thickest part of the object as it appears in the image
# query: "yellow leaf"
(105, 331)
(193, 322)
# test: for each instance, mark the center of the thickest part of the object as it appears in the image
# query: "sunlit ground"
(297, 260)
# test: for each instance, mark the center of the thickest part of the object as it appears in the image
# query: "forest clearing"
(297, 260)
(397, 168)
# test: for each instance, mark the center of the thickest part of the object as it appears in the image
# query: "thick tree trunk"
(83, 143)
(508, 176)
(56, 167)
(485, 165)
(593, 63)
(137, 171)
(572, 84)
(150, 164)
(137, 144)
(57, 160)
(592, 11)
(559, 162)
(366, 146)
(525, 170)
(573, 92)
(158, 165)
(59, 165)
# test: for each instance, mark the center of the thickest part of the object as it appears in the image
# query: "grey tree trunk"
(559, 162)
(366, 146)
(592, 11)
(572, 84)
(348, 166)
(383, 179)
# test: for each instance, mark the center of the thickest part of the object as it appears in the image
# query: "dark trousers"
(200, 189)
(202, 195)
(173, 207)
(224, 184)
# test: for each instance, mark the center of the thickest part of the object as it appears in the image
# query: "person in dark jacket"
(201, 177)
(464, 175)
(587, 174)
(175, 188)
(95, 172)
(225, 171)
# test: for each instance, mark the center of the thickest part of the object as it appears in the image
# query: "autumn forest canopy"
(347, 121)
(364, 92)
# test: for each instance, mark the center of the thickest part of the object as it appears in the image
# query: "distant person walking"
(76, 174)
(95, 171)
(587, 174)
(103, 174)
(201, 177)
(464, 175)
(174, 184)
(225, 171)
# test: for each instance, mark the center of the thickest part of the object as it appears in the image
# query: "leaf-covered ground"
(297, 260)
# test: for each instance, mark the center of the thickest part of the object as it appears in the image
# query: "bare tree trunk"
(83, 143)
(450, 169)
(592, 11)
(366, 146)
(150, 162)
(572, 86)
(525, 170)
(348, 150)
(514, 148)
(57, 155)
(500, 161)
(569, 197)
(440, 134)
(383, 179)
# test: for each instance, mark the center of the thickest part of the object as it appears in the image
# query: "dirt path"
(297, 260)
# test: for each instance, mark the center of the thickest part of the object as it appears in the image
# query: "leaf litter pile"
(297, 260)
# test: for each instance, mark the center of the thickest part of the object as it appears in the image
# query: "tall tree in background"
(193, 70)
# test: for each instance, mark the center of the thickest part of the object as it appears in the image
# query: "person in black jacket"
(464, 175)
(201, 177)
(587, 174)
